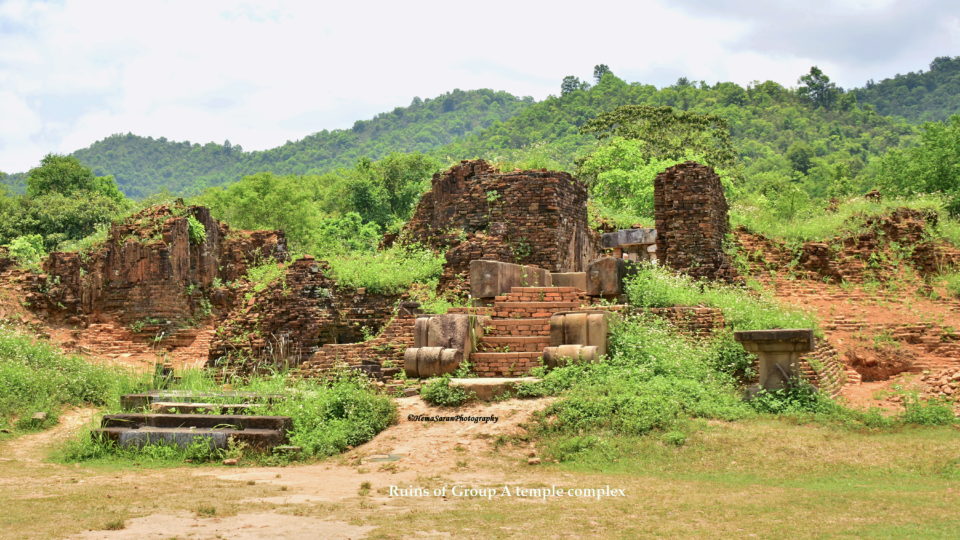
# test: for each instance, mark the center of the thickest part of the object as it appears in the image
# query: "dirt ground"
(875, 308)
(743, 479)
(263, 502)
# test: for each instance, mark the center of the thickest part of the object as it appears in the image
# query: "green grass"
(654, 286)
(263, 275)
(439, 392)
(952, 282)
(391, 271)
(656, 382)
(36, 377)
(811, 223)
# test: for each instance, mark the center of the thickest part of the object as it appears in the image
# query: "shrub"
(439, 392)
(799, 397)
(932, 412)
(264, 275)
(390, 271)
(652, 380)
(811, 223)
(196, 231)
(952, 281)
(27, 250)
(87, 243)
(329, 419)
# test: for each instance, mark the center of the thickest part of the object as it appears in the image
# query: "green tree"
(668, 134)
(599, 71)
(933, 166)
(269, 201)
(816, 87)
(800, 155)
(571, 84)
(66, 175)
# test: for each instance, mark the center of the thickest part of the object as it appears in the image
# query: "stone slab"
(171, 407)
(260, 439)
(800, 336)
(569, 279)
(489, 388)
(628, 237)
(235, 421)
(143, 400)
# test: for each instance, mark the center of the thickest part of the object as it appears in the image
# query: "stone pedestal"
(778, 352)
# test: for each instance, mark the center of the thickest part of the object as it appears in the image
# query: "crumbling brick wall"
(377, 357)
(693, 321)
(536, 218)
(691, 220)
(149, 267)
(292, 318)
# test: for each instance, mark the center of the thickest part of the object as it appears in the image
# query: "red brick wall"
(528, 217)
(691, 220)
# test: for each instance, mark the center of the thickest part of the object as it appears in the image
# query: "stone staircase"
(513, 341)
(181, 417)
(257, 432)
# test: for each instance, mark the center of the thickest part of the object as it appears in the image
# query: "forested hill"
(918, 96)
(144, 165)
(783, 136)
(816, 134)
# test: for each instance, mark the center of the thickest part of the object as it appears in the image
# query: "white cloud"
(261, 73)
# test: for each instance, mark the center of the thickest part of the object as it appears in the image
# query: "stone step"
(143, 400)
(491, 388)
(513, 343)
(173, 407)
(521, 290)
(259, 439)
(519, 327)
(504, 364)
(229, 421)
(536, 305)
(532, 309)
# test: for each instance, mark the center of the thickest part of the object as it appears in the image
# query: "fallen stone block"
(489, 279)
(569, 279)
(628, 237)
(605, 276)
(570, 354)
(423, 362)
(581, 328)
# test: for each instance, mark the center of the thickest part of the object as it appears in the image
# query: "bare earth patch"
(239, 527)
(34, 446)
(402, 453)
(815, 481)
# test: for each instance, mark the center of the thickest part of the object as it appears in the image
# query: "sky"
(262, 73)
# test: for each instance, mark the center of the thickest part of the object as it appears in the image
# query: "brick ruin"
(149, 267)
(852, 257)
(150, 289)
(474, 211)
(691, 221)
(292, 318)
